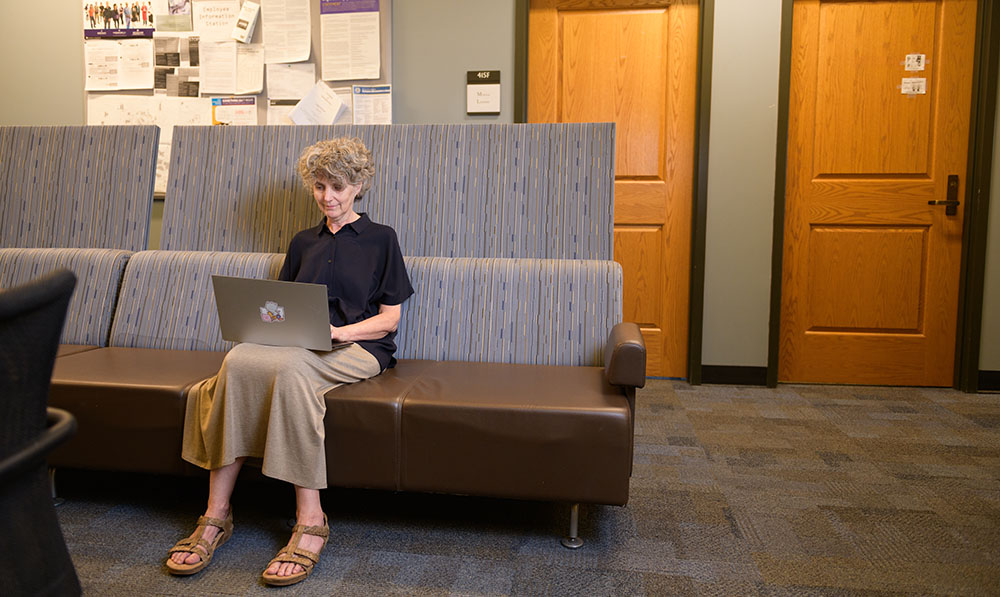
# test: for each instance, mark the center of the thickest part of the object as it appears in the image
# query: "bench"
(539, 407)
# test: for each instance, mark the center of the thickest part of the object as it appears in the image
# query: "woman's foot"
(194, 553)
(296, 560)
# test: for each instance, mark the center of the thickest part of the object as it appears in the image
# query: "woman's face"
(335, 198)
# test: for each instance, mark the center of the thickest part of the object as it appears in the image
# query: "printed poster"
(117, 20)
(349, 32)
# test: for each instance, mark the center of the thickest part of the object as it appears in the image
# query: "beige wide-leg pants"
(267, 402)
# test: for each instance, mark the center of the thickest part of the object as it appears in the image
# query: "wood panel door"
(878, 125)
(632, 63)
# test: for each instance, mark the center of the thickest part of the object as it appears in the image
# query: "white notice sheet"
(286, 29)
(320, 106)
(118, 64)
(249, 68)
(350, 39)
(373, 104)
(279, 111)
(214, 19)
(218, 66)
(347, 114)
(290, 81)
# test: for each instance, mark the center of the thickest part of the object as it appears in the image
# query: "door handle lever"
(951, 203)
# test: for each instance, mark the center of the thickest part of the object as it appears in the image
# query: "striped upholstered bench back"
(534, 311)
(461, 190)
(98, 274)
(166, 300)
(77, 186)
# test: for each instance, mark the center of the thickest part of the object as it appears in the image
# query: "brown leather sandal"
(294, 554)
(198, 545)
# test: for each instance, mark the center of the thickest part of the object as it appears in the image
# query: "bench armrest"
(625, 356)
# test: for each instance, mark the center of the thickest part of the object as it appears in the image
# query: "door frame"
(977, 194)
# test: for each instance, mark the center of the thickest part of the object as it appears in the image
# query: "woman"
(267, 402)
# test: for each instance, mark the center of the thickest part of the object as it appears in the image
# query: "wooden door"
(632, 63)
(871, 270)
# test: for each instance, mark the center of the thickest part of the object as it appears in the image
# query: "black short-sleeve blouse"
(362, 268)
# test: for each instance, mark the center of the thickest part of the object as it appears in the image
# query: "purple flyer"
(329, 7)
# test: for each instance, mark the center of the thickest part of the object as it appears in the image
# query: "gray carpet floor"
(799, 490)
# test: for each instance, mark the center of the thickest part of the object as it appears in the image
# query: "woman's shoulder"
(380, 230)
(304, 235)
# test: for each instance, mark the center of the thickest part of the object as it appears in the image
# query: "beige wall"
(42, 66)
(744, 124)
(440, 42)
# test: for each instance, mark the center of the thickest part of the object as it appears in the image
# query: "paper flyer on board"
(213, 19)
(176, 57)
(290, 81)
(349, 31)
(110, 20)
(320, 106)
(286, 29)
(231, 67)
(373, 104)
(249, 68)
(172, 15)
(118, 64)
(218, 66)
(347, 114)
(279, 111)
(234, 110)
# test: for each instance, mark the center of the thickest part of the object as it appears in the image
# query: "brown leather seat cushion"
(518, 431)
(68, 349)
(362, 427)
(129, 404)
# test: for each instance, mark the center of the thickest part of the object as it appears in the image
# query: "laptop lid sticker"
(271, 312)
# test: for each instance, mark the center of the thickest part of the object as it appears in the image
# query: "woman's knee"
(262, 353)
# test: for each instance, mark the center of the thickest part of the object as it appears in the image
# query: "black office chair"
(33, 555)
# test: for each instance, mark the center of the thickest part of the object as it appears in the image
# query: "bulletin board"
(186, 100)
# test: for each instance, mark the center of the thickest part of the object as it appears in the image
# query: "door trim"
(521, 60)
(982, 120)
(780, 173)
(699, 209)
(977, 195)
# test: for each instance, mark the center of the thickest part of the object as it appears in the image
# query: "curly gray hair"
(342, 159)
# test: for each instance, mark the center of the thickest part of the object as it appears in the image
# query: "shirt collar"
(358, 226)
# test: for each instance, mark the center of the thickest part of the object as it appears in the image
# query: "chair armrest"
(625, 356)
(60, 426)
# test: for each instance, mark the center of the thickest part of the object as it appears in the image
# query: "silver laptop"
(274, 312)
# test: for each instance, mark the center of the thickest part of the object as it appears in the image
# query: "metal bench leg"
(573, 541)
(56, 501)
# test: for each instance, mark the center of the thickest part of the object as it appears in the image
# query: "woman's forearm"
(373, 328)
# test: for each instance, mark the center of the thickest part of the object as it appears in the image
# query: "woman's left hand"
(338, 334)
